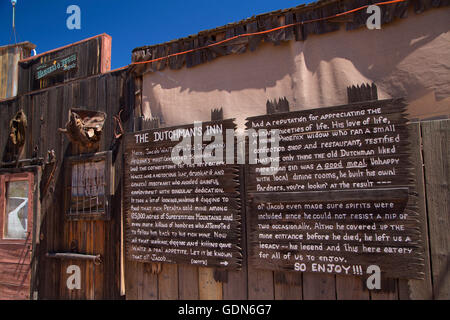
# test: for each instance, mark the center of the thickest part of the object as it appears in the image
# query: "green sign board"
(56, 66)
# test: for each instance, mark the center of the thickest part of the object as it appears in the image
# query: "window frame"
(12, 177)
(105, 156)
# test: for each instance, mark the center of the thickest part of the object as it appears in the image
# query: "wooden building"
(89, 85)
(64, 222)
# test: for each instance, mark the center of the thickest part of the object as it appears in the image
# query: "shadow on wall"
(259, 69)
(405, 58)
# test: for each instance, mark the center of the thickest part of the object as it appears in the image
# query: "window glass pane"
(16, 215)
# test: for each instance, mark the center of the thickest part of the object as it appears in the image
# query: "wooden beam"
(74, 256)
(436, 153)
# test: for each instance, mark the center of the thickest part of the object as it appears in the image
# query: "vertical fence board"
(260, 284)
(149, 283)
(168, 282)
(209, 289)
(384, 294)
(436, 152)
(289, 290)
(102, 271)
(130, 280)
(319, 287)
(188, 282)
(350, 288)
(419, 289)
(236, 288)
(140, 280)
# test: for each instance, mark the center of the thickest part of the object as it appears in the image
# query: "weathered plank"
(290, 288)
(139, 280)
(188, 282)
(419, 289)
(319, 286)
(130, 280)
(236, 286)
(350, 288)
(389, 290)
(260, 284)
(209, 289)
(436, 153)
(168, 282)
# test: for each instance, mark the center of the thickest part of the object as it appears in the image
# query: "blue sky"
(131, 23)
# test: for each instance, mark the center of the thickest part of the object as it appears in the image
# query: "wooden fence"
(430, 149)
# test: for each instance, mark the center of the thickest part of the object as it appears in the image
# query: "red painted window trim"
(10, 177)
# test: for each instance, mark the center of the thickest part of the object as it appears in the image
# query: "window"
(88, 186)
(16, 206)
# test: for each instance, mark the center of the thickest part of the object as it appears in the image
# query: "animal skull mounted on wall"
(84, 129)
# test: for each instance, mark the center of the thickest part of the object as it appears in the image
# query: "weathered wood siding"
(47, 110)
